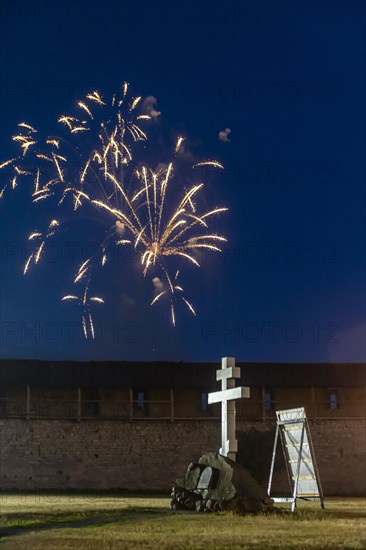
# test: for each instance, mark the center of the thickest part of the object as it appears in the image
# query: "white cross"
(227, 396)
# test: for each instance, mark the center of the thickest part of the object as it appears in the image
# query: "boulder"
(216, 483)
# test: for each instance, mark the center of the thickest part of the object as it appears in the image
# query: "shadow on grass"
(326, 514)
(63, 520)
(38, 522)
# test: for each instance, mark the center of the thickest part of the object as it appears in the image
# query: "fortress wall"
(150, 454)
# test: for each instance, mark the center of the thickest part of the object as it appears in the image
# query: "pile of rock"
(216, 483)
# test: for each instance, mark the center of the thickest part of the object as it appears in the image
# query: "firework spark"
(40, 239)
(152, 211)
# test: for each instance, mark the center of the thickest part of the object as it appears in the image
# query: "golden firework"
(150, 210)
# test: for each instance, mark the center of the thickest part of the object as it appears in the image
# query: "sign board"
(293, 430)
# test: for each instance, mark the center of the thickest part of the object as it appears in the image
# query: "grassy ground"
(35, 522)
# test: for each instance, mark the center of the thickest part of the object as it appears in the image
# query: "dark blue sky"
(288, 78)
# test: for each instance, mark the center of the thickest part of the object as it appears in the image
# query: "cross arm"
(229, 372)
(228, 395)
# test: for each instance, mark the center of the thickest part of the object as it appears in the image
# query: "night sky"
(288, 79)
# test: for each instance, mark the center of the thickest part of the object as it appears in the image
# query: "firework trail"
(149, 210)
(40, 239)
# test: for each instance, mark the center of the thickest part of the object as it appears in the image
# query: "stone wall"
(150, 454)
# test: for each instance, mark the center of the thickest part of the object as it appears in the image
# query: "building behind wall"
(108, 425)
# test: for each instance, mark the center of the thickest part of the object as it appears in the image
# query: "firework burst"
(149, 210)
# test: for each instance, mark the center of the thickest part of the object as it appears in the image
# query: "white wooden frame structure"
(293, 431)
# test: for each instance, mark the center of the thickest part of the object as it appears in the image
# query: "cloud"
(184, 152)
(149, 105)
(120, 227)
(223, 135)
(127, 301)
(345, 345)
(161, 167)
(158, 285)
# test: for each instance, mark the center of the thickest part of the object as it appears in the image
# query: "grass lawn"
(37, 522)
